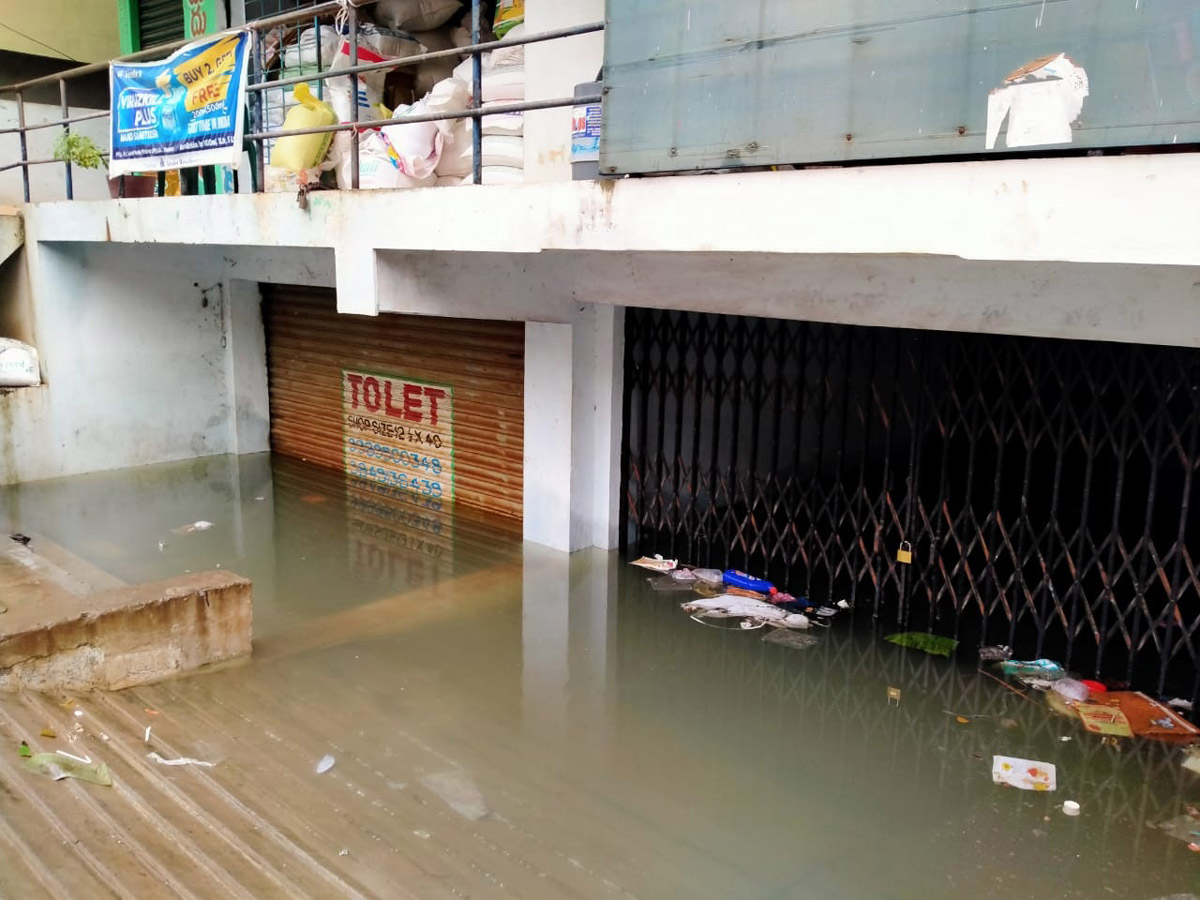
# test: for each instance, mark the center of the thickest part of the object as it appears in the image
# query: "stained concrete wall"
(147, 356)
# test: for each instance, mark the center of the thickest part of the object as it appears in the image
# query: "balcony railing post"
(260, 146)
(320, 62)
(476, 97)
(66, 114)
(353, 19)
(24, 145)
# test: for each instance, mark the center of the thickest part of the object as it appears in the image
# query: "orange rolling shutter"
(430, 405)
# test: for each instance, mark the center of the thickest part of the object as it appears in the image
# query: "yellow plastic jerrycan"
(296, 152)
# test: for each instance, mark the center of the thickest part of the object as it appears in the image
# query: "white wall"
(48, 182)
(552, 69)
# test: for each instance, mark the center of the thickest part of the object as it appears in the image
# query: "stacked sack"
(418, 154)
(312, 53)
(502, 82)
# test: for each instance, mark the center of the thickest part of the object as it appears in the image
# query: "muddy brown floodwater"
(509, 722)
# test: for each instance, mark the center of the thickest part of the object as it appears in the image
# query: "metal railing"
(259, 81)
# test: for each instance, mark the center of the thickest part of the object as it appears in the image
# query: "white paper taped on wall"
(1041, 100)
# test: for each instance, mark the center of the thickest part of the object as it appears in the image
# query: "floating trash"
(933, 644)
(1025, 774)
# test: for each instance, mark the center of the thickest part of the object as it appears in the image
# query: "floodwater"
(598, 742)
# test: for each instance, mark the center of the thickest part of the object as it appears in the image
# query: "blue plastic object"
(734, 578)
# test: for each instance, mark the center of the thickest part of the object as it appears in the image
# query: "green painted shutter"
(159, 22)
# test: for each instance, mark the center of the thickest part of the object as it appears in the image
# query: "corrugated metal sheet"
(310, 344)
(159, 22)
(699, 84)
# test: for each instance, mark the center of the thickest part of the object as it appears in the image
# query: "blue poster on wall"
(186, 110)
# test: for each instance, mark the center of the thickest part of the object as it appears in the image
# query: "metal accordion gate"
(1043, 486)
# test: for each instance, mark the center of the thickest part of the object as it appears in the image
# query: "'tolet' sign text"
(399, 432)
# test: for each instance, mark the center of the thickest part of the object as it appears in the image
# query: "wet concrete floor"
(509, 722)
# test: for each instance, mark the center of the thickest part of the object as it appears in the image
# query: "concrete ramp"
(55, 634)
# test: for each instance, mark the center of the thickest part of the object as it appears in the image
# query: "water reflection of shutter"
(309, 345)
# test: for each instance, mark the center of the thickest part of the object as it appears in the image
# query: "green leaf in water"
(931, 643)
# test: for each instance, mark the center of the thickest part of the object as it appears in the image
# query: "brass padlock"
(904, 554)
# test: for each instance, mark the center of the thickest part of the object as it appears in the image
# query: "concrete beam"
(1131, 209)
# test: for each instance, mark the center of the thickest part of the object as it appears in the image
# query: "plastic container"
(585, 133)
(738, 579)
(1070, 808)
(297, 152)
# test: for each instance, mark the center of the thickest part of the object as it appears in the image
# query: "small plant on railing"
(79, 150)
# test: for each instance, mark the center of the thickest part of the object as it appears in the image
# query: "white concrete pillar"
(548, 444)
(246, 361)
(573, 378)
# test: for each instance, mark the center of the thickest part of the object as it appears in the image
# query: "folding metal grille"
(1044, 486)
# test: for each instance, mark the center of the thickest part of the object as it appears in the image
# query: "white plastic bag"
(377, 169)
(457, 143)
(18, 364)
(510, 56)
(285, 181)
(449, 95)
(370, 96)
(414, 147)
(304, 51)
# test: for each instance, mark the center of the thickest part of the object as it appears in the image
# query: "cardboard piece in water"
(1100, 719)
(1148, 718)
(1026, 774)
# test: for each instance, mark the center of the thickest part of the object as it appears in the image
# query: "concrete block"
(126, 636)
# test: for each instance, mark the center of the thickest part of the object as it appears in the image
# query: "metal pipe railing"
(258, 83)
(417, 58)
(472, 113)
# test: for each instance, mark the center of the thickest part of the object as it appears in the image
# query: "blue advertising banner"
(187, 110)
